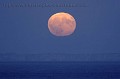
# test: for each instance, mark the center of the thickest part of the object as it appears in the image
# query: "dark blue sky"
(24, 34)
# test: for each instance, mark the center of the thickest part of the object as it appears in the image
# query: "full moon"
(61, 24)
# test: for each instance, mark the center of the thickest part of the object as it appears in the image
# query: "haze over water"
(60, 70)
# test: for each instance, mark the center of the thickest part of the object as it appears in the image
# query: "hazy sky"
(24, 34)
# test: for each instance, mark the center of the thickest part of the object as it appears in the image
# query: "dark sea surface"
(59, 70)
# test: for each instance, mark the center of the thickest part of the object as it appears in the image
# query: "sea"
(60, 70)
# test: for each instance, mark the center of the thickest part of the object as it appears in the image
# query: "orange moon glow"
(61, 24)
